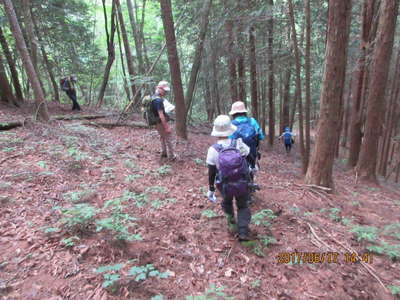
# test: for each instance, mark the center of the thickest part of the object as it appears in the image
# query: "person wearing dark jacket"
(68, 86)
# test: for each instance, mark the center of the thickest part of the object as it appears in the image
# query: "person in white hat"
(223, 128)
(158, 108)
(248, 129)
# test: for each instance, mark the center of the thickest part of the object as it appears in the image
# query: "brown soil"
(41, 163)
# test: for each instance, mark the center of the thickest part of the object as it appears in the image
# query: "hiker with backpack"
(229, 172)
(248, 129)
(155, 114)
(68, 86)
(288, 139)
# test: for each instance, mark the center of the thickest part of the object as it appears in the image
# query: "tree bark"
(308, 80)
(173, 60)
(358, 84)
(110, 50)
(271, 105)
(322, 158)
(231, 62)
(46, 59)
(136, 36)
(366, 166)
(6, 94)
(11, 64)
(198, 54)
(286, 98)
(253, 74)
(298, 87)
(126, 86)
(30, 70)
(128, 53)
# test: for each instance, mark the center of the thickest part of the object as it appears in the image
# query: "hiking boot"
(251, 200)
(163, 155)
(245, 237)
(232, 226)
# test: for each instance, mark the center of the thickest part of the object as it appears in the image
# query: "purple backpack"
(233, 173)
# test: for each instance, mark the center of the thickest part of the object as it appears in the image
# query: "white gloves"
(211, 196)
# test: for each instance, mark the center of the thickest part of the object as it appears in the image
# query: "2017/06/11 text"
(323, 257)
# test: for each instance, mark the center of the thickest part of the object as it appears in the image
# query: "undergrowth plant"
(118, 223)
(394, 289)
(163, 170)
(159, 203)
(263, 217)
(365, 233)
(140, 273)
(78, 217)
(208, 213)
(157, 189)
(132, 177)
(393, 230)
(393, 251)
(212, 293)
(76, 196)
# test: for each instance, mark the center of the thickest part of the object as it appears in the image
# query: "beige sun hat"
(164, 85)
(238, 107)
(223, 126)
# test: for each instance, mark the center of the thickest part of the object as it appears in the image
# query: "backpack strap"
(218, 147)
(233, 143)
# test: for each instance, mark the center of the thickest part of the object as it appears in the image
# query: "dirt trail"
(47, 169)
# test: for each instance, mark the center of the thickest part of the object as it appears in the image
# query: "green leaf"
(110, 268)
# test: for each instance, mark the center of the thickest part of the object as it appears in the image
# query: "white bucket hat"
(164, 85)
(238, 107)
(223, 126)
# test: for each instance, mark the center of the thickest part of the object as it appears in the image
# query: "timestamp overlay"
(323, 257)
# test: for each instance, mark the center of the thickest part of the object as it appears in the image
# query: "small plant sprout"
(365, 233)
(263, 217)
(208, 213)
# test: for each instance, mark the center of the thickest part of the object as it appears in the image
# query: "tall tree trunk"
(198, 54)
(136, 36)
(322, 158)
(347, 109)
(391, 114)
(358, 84)
(41, 107)
(298, 87)
(173, 60)
(214, 76)
(128, 53)
(253, 74)
(126, 85)
(11, 64)
(271, 105)
(6, 94)
(366, 166)
(231, 62)
(308, 80)
(286, 98)
(46, 59)
(110, 50)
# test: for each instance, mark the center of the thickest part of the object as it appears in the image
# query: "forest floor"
(72, 194)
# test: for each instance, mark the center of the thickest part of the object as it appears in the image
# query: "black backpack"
(64, 84)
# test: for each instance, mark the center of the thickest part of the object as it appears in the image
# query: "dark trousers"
(72, 95)
(243, 211)
(288, 147)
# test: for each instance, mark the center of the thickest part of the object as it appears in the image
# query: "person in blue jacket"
(288, 140)
(248, 130)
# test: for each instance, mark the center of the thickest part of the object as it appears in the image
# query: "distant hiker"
(161, 118)
(68, 86)
(288, 139)
(248, 129)
(229, 171)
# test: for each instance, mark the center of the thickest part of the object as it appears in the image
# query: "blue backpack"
(247, 132)
(287, 137)
(233, 172)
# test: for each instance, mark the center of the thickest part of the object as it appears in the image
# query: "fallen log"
(7, 125)
(116, 124)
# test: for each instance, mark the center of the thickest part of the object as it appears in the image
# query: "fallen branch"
(112, 125)
(10, 125)
(318, 238)
(81, 117)
(370, 269)
(9, 157)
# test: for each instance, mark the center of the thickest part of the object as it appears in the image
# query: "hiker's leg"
(76, 104)
(170, 146)
(161, 132)
(227, 205)
(244, 214)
